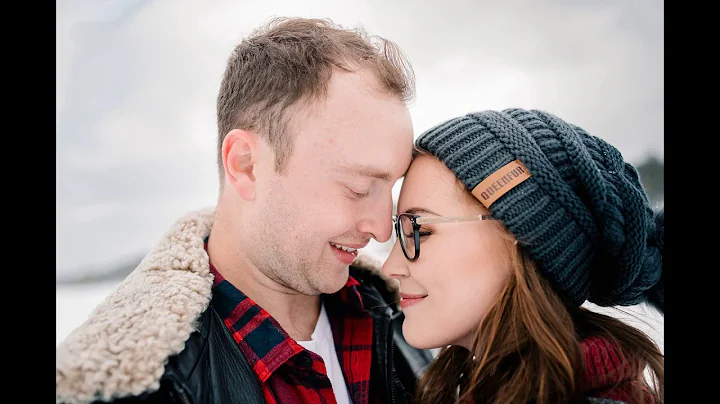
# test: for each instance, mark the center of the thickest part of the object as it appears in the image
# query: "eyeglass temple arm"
(454, 219)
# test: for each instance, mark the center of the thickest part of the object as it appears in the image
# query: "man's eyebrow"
(415, 211)
(367, 171)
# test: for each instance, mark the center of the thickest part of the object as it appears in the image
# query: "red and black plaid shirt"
(288, 373)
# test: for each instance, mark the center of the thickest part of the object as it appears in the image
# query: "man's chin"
(333, 281)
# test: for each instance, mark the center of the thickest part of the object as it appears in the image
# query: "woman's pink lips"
(409, 296)
(409, 300)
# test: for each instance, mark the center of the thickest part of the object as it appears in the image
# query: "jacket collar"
(122, 347)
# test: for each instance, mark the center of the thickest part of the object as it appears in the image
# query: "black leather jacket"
(211, 368)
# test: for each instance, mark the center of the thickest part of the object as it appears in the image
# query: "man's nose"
(377, 220)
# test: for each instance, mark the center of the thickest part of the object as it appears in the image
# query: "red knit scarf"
(606, 374)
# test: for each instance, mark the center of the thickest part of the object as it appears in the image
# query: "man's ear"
(239, 153)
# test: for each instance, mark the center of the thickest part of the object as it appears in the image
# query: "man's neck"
(296, 313)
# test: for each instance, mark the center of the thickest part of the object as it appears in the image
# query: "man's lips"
(346, 253)
(353, 246)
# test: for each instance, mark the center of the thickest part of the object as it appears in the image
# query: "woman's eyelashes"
(423, 233)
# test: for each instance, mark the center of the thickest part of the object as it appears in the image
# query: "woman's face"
(462, 266)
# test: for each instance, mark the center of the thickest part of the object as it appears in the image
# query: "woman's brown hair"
(527, 349)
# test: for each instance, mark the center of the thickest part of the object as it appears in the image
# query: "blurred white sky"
(137, 82)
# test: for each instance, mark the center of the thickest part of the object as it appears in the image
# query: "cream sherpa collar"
(123, 346)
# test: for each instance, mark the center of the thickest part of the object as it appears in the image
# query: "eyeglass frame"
(418, 221)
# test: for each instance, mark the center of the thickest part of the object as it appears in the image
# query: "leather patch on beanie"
(501, 181)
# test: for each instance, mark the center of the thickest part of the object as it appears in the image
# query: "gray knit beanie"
(568, 197)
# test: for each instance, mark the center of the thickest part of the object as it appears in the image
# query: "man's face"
(335, 193)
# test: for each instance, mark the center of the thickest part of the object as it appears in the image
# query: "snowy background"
(136, 83)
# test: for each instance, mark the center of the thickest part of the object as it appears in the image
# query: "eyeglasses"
(408, 225)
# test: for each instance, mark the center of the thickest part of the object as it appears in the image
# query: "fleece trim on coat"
(122, 347)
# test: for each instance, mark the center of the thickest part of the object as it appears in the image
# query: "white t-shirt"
(321, 342)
